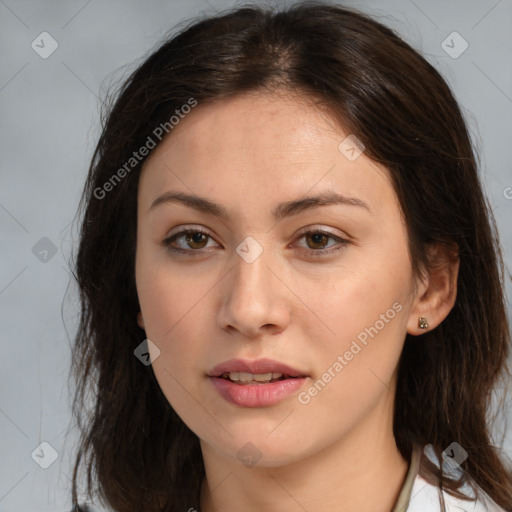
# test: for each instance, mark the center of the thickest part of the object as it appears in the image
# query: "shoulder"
(425, 496)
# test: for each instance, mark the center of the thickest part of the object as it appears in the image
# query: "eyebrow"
(281, 211)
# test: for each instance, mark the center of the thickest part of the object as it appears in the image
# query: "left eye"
(319, 237)
(197, 239)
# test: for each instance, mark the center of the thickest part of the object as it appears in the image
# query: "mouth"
(259, 371)
(257, 383)
(245, 378)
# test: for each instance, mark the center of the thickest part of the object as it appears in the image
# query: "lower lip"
(256, 395)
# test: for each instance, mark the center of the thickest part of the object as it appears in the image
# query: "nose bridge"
(251, 274)
(251, 299)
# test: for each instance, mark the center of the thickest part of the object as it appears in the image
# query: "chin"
(259, 450)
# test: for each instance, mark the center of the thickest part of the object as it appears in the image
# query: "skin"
(250, 153)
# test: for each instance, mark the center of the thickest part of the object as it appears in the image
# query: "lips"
(245, 391)
(259, 366)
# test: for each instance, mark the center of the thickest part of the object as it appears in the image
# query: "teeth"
(248, 377)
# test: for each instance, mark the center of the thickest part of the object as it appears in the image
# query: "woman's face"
(334, 304)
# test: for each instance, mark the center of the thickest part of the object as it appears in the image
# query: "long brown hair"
(139, 455)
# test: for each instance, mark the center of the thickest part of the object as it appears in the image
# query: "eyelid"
(320, 228)
(189, 227)
(302, 231)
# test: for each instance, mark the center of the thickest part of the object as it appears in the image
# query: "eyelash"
(197, 252)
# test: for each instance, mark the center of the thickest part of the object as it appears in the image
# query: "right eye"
(194, 238)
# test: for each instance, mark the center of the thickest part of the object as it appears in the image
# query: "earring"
(422, 323)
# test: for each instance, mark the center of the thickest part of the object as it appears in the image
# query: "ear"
(140, 320)
(436, 292)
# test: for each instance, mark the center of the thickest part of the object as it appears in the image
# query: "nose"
(255, 298)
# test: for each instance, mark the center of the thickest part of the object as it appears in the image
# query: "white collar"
(425, 498)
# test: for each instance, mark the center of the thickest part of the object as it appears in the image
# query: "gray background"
(48, 128)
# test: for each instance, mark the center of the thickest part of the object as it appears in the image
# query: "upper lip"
(255, 367)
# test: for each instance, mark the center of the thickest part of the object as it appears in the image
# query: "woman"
(291, 283)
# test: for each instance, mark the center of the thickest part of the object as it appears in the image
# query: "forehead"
(286, 124)
(260, 145)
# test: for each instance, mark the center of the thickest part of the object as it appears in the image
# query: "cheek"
(168, 294)
(364, 339)
(343, 302)
(363, 314)
(171, 325)
(170, 305)
(354, 368)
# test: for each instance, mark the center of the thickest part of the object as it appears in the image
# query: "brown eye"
(316, 241)
(318, 238)
(188, 241)
(196, 237)
(193, 241)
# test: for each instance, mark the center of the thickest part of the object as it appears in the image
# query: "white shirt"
(425, 498)
(418, 495)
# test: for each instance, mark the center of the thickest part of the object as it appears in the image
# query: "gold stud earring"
(422, 323)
